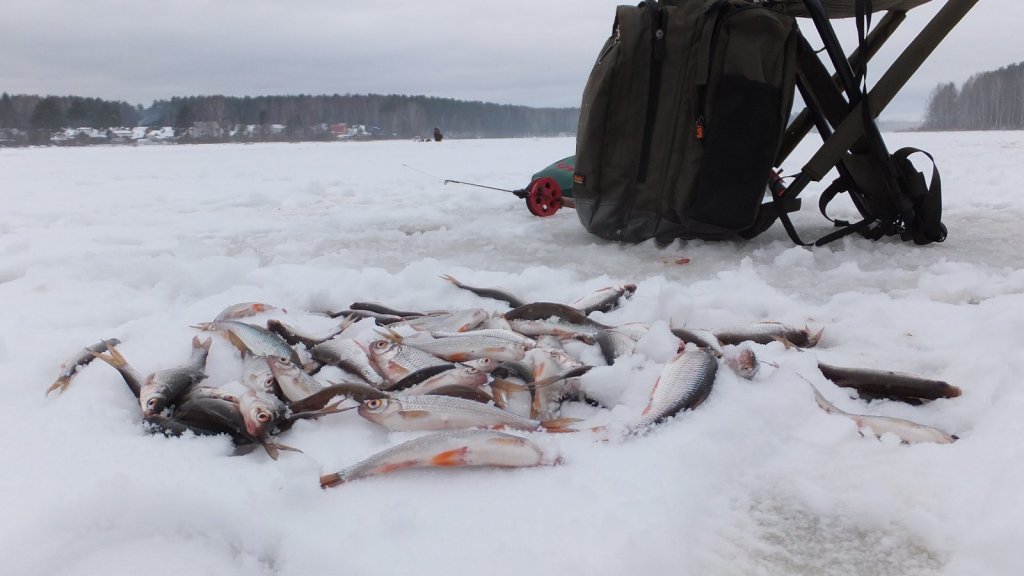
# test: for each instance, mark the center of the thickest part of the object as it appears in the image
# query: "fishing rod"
(543, 196)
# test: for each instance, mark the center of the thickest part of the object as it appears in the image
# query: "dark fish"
(221, 416)
(492, 293)
(380, 319)
(295, 337)
(418, 377)
(320, 399)
(888, 384)
(767, 332)
(382, 309)
(72, 366)
(473, 393)
(162, 388)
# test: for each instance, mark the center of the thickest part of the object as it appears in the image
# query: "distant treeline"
(391, 115)
(987, 101)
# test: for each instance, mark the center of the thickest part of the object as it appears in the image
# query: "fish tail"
(61, 384)
(813, 338)
(825, 405)
(201, 344)
(331, 480)
(559, 425)
(452, 280)
(205, 326)
(115, 358)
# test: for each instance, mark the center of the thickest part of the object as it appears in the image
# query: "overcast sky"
(520, 52)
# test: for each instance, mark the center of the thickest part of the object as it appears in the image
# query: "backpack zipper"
(654, 88)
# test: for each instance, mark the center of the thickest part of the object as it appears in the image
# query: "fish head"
(259, 414)
(471, 376)
(485, 364)
(280, 365)
(151, 398)
(257, 374)
(383, 349)
(377, 409)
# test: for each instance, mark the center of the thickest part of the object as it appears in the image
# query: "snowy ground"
(139, 243)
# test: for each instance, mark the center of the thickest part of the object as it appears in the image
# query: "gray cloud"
(524, 52)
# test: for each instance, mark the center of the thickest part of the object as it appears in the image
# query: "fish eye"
(374, 403)
(380, 345)
(263, 416)
(152, 402)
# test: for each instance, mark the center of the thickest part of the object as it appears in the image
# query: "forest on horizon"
(301, 116)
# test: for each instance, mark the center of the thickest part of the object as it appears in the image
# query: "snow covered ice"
(140, 243)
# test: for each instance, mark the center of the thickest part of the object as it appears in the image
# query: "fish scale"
(397, 361)
(346, 354)
(434, 412)
(683, 384)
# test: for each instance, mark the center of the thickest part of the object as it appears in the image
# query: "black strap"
(926, 226)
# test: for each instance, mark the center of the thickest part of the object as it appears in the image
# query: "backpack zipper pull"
(700, 127)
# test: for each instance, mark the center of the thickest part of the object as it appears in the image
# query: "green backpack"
(682, 118)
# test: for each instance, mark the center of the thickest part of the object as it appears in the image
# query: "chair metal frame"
(844, 115)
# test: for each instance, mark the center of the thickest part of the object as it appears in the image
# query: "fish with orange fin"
(454, 449)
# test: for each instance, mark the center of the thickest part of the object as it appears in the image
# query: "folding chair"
(892, 197)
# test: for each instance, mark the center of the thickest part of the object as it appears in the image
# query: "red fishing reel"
(544, 197)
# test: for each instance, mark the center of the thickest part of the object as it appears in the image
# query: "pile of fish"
(467, 376)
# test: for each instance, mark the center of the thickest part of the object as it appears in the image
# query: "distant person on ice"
(437, 134)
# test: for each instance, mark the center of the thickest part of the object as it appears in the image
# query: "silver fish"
(682, 385)
(908, 432)
(72, 366)
(615, 344)
(453, 449)
(454, 321)
(253, 339)
(163, 387)
(605, 299)
(348, 355)
(395, 361)
(295, 383)
(483, 364)
(433, 412)
(256, 374)
(470, 346)
(700, 337)
(260, 412)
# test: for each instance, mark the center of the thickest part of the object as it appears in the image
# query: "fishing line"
(422, 172)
